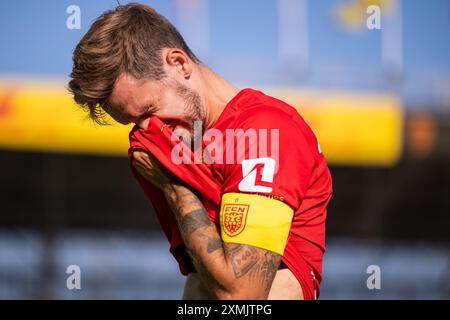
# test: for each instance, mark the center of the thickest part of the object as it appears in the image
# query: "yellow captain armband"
(255, 220)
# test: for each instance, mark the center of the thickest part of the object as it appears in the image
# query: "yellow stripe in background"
(352, 128)
(43, 117)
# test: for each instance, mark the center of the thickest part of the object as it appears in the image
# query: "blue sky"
(241, 42)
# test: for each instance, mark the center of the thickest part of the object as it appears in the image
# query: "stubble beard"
(195, 114)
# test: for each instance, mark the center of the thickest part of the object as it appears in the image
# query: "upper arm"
(260, 196)
(253, 269)
(254, 231)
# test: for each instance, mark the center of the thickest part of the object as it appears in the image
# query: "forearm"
(228, 270)
(202, 239)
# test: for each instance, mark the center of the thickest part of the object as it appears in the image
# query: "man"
(265, 237)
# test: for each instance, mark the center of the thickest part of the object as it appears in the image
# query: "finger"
(143, 159)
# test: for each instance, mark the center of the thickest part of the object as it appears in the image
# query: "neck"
(216, 92)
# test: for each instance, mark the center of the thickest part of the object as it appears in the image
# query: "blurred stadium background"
(378, 100)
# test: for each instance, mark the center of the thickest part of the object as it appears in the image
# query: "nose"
(143, 124)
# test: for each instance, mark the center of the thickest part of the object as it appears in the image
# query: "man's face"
(134, 101)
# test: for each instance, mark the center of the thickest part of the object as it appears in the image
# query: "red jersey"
(283, 162)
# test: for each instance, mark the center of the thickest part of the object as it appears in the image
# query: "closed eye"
(148, 112)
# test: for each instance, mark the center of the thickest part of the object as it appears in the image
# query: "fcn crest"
(234, 217)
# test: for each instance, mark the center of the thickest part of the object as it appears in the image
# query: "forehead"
(129, 92)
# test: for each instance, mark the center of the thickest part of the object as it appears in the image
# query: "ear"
(178, 59)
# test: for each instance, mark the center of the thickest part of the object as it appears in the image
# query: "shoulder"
(258, 111)
(267, 115)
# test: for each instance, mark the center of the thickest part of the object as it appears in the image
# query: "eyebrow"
(114, 112)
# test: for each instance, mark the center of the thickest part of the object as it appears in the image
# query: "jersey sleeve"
(267, 182)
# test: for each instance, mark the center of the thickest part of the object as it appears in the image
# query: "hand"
(152, 170)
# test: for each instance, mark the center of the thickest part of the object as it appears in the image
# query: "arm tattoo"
(214, 245)
(193, 221)
(243, 258)
(257, 266)
(269, 268)
(191, 217)
(260, 265)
